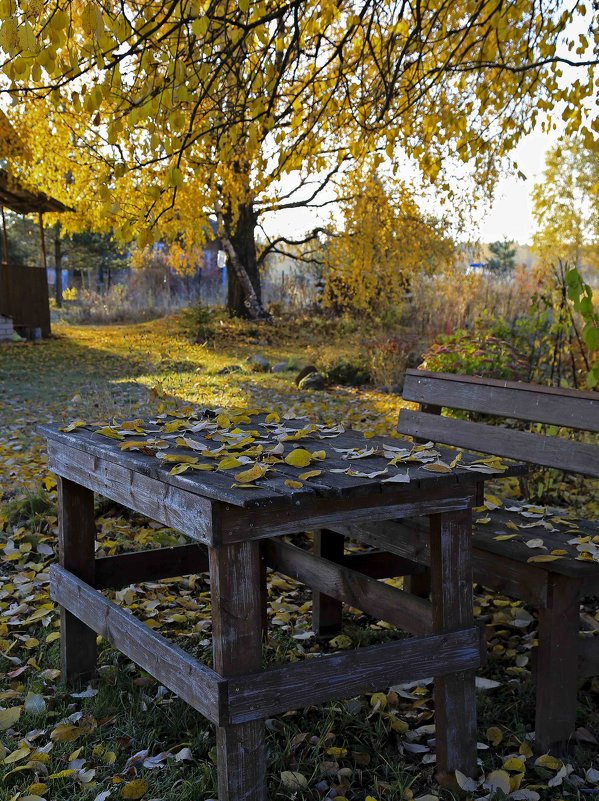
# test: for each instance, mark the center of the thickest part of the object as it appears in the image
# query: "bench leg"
(236, 595)
(557, 665)
(76, 544)
(418, 583)
(327, 612)
(455, 701)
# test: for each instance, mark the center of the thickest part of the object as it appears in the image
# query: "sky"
(509, 216)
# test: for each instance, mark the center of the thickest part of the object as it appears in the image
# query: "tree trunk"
(244, 296)
(58, 265)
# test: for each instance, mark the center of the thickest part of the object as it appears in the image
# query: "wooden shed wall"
(24, 297)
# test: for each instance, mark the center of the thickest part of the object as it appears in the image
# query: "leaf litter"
(51, 736)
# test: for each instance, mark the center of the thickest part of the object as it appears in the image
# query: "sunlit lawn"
(380, 747)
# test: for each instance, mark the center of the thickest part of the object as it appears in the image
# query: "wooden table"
(236, 532)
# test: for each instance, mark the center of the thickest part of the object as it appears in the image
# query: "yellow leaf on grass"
(514, 764)
(8, 717)
(135, 790)
(341, 641)
(525, 749)
(310, 474)
(299, 457)
(17, 755)
(336, 753)
(293, 484)
(378, 699)
(65, 733)
(62, 774)
(549, 762)
(37, 788)
(251, 475)
(498, 780)
(494, 735)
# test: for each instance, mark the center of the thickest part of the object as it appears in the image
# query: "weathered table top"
(250, 460)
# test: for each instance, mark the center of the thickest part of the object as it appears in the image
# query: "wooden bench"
(501, 556)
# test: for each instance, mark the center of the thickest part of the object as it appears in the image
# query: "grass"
(377, 746)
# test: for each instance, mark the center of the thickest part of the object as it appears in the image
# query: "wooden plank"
(235, 586)
(216, 486)
(380, 564)
(76, 547)
(181, 510)
(409, 539)
(327, 611)
(451, 594)
(345, 675)
(195, 683)
(557, 666)
(555, 452)
(384, 602)
(588, 657)
(533, 402)
(258, 523)
(152, 565)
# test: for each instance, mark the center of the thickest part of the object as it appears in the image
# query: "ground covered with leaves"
(126, 737)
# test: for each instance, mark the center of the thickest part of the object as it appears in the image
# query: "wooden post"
(455, 701)
(557, 665)
(235, 578)
(76, 540)
(326, 611)
(4, 236)
(40, 218)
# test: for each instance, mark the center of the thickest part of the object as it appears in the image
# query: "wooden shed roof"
(15, 197)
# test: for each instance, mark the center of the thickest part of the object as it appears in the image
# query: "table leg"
(327, 612)
(235, 580)
(451, 583)
(76, 543)
(557, 665)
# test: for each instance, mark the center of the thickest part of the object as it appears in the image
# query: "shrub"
(488, 350)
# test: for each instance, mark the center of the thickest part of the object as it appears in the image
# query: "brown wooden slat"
(380, 564)
(152, 565)
(195, 683)
(183, 511)
(557, 665)
(76, 544)
(451, 594)
(352, 673)
(533, 402)
(409, 539)
(243, 524)
(236, 593)
(532, 448)
(384, 602)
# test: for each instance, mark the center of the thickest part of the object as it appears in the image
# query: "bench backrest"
(528, 402)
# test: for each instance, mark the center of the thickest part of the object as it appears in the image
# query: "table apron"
(184, 511)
